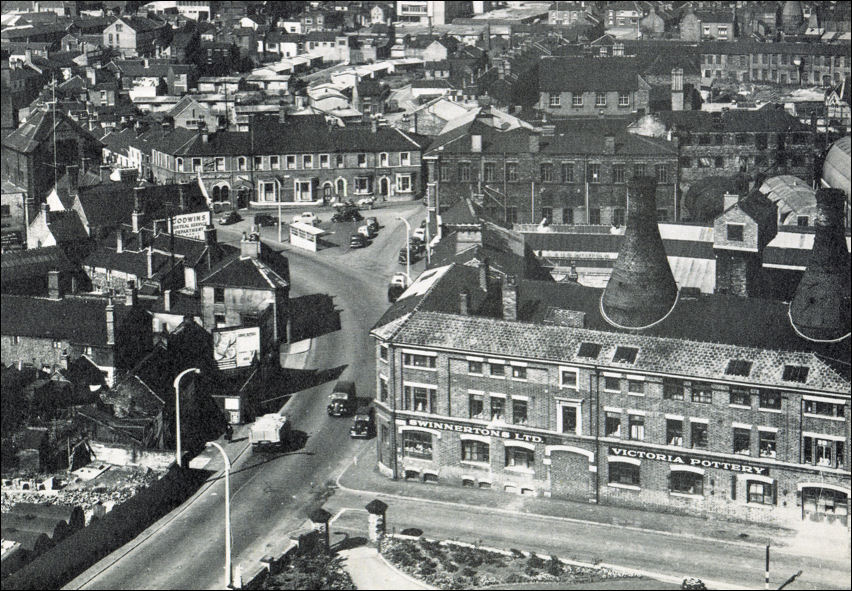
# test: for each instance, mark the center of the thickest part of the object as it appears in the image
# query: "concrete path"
(370, 571)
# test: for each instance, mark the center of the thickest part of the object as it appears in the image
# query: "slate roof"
(134, 262)
(20, 265)
(38, 128)
(78, 320)
(140, 24)
(65, 226)
(567, 74)
(733, 121)
(107, 204)
(245, 272)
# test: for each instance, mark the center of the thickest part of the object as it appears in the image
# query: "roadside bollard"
(319, 520)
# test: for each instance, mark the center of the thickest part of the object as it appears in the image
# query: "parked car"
(357, 241)
(394, 291)
(363, 424)
(373, 223)
(347, 212)
(403, 255)
(420, 233)
(232, 217)
(307, 217)
(418, 247)
(400, 279)
(264, 219)
(367, 201)
(366, 230)
(343, 400)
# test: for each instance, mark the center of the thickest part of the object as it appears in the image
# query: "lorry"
(342, 401)
(270, 430)
(363, 424)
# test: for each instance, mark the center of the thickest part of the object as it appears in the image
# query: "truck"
(342, 401)
(270, 430)
(363, 424)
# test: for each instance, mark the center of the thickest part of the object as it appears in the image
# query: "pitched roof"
(65, 226)
(21, 265)
(140, 24)
(245, 272)
(733, 121)
(569, 74)
(78, 320)
(132, 262)
(38, 128)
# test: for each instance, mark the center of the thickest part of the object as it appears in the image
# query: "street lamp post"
(177, 410)
(407, 249)
(227, 512)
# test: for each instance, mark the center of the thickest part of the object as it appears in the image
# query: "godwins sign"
(191, 225)
(474, 430)
(687, 460)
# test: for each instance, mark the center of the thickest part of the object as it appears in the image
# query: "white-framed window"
(405, 158)
(307, 161)
(600, 99)
(520, 458)
(362, 185)
(303, 191)
(242, 163)
(324, 161)
(267, 191)
(554, 100)
(220, 164)
(577, 100)
(722, 30)
(498, 407)
(416, 361)
(339, 160)
(179, 164)
(636, 425)
(419, 398)
(636, 387)
(569, 418)
(612, 383)
(623, 99)
(417, 444)
(520, 411)
(519, 372)
(706, 30)
(362, 161)
(761, 493)
(383, 159)
(274, 162)
(475, 451)
(196, 164)
(403, 183)
(258, 162)
(290, 159)
(569, 377)
(476, 405)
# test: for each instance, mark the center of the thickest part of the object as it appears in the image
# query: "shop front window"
(623, 473)
(416, 444)
(687, 483)
(519, 457)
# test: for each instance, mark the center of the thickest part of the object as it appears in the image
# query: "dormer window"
(735, 232)
(589, 350)
(795, 373)
(738, 367)
(625, 355)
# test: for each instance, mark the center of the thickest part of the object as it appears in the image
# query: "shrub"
(517, 578)
(555, 567)
(534, 562)
(468, 572)
(517, 553)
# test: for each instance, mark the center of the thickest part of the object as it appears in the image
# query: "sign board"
(687, 460)
(190, 225)
(236, 347)
(477, 430)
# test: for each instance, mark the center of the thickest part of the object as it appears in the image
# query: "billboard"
(191, 225)
(236, 347)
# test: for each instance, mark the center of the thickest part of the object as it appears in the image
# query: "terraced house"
(295, 161)
(635, 395)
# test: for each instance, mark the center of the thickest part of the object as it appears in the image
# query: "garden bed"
(453, 565)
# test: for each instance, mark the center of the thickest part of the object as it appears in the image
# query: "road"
(271, 494)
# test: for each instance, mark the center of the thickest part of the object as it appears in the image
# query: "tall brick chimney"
(510, 298)
(54, 290)
(820, 309)
(642, 289)
(110, 322)
(464, 302)
(677, 89)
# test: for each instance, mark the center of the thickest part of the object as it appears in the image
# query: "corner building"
(720, 407)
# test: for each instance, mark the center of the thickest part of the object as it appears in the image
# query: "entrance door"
(384, 187)
(825, 504)
(569, 476)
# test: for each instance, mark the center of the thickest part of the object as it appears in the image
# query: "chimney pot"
(131, 295)
(510, 298)
(820, 309)
(483, 275)
(642, 289)
(54, 290)
(167, 300)
(119, 240)
(45, 211)
(110, 322)
(464, 303)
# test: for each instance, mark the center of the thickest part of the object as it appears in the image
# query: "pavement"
(369, 570)
(667, 547)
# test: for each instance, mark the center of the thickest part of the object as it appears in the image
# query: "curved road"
(271, 494)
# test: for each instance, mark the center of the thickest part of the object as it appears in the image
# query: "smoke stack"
(464, 303)
(820, 308)
(483, 275)
(110, 322)
(119, 240)
(641, 290)
(510, 298)
(677, 89)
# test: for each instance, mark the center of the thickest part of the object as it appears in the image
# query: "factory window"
(594, 173)
(795, 373)
(687, 483)
(476, 406)
(612, 424)
(416, 444)
(568, 378)
(475, 451)
(674, 432)
(567, 172)
(735, 232)
(770, 399)
(489, 172)
(823, 409)
(419, 399)
(577, 100)
(767, 444)
(702, 392)
(742, 441)
(568, 418)
(418, 361)
(519, 373)
(662, 173)
(738, 367)
(519, 457)
(822, 452)
(497, 370)
(625, 355)
(498, 408)
(519, 411)
(636, 424)
(612, 384)
(700, 436)
(762, 493)
(636, 387)
(623, 473)
(474, 367)
(383, 389)
(740, 396)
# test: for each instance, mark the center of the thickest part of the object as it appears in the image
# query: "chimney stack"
(119, 240)
(205, 134)
(63, 360)
(182, 197)
(150, 257)
(483, 275)
(110, 322)
(641, 290)
(374, 125)
(730, 199)
(105, 171)
(510, 298)
(45, 211)
(677, 89)
(131, 295)
(820, 308)
(72, 171)
(464, 303)
(476, 143)
(249, 248)
(167, 300)
(210, 235)
(54, 291)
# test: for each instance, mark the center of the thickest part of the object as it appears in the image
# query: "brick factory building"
(636, 395)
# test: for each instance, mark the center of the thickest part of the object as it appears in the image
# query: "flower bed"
(449, 565)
